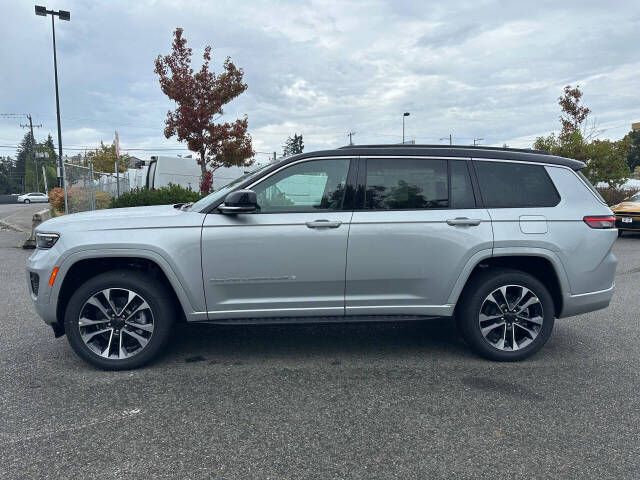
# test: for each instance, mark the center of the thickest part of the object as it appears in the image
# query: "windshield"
(221, 193)
(635, 198)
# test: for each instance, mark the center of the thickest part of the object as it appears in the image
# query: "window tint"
(505, 184)
(313, 185)
(406, 183)
(461, 189)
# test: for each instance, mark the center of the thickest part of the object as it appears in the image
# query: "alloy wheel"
(511, 317)
(116, 323)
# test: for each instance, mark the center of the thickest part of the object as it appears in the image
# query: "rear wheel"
(619, 233)
(506, 315)
(119, 320)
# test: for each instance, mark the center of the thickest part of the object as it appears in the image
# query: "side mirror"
(240, 201)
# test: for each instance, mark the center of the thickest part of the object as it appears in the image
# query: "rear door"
(288, 259)
(415, 227)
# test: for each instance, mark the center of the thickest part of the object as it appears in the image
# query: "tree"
(633, 151)
(606, 160)
(104, 159)
(293, 146)
(8, 183)
(200, 98)
(573, 112)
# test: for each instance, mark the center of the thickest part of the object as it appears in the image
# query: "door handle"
(323, 224)
(463, 222)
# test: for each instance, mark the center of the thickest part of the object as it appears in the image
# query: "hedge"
(160, 196)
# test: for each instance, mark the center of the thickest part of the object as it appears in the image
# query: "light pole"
(405, 114)
(62, 15)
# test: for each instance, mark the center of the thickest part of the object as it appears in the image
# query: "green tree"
(293, 146)
(633, 151)
(104, 159)
(8, 182)
(606, 160)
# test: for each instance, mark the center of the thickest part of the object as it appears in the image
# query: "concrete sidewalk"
(18, 217)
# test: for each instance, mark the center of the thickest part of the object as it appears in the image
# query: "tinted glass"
(406, 183)
(505, 184)
(308, 186)
(461, 189)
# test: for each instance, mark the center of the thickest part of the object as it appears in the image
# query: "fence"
(91, 190)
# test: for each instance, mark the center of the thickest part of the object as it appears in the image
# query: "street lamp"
(405, 114)
(62, 15)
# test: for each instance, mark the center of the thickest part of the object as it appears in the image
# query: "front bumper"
(41, 263)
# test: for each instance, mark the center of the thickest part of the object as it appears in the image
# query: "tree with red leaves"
(200, 98)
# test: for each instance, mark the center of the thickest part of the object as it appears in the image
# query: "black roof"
(498, 153)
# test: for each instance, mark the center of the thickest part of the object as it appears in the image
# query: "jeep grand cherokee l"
(504, 241)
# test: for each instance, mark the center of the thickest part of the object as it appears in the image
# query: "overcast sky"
(475, 69)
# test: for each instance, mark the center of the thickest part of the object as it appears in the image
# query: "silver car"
(504, 241)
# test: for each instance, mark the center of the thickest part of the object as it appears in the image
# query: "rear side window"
(507, 184)
(406, 184)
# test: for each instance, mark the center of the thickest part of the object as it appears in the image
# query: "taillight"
(602, 221)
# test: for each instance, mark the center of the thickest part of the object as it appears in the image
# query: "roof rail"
(466, 147)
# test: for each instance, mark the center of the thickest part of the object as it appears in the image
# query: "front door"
(414, 229)
(288, 258)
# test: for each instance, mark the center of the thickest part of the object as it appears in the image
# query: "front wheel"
(506, 315)
(119, 320)
(26, 200)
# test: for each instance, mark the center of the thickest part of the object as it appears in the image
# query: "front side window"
(513, 184)
(317, 185)
(406, 184)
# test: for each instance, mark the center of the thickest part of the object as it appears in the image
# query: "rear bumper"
(586, 302)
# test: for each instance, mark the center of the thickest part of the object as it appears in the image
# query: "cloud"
(474, 69)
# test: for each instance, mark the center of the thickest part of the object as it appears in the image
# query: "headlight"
(46, 240)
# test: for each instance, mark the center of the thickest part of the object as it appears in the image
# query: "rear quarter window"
(512, 184)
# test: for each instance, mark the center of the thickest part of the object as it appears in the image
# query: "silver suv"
(505, 241)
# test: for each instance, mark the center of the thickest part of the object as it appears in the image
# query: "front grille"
(35, 282)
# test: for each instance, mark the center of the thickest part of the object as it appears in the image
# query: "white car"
(33, 198)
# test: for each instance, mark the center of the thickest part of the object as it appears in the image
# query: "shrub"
(79, 199)
(613, 196)
(160, 196)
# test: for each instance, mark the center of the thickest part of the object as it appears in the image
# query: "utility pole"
(475, 140)
(33, 142)
(351, 134)
(450, 139)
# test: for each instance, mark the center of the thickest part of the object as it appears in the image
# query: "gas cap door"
(533, 224)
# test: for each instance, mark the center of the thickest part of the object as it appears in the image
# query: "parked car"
(503, 240)
(628, 214)
(34, 197)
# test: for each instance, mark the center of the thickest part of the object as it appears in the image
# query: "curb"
(8, 226)
(37, 219)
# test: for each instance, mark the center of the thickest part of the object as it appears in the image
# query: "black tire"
(474, 295)
(157, 297)
(26, 200)
(619, 233)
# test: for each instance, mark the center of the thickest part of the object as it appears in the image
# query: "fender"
(175, 280)
(476, 259)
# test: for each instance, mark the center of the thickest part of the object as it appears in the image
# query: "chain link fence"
(91, 190)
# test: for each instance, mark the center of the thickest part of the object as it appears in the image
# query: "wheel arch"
(81, 267)
(542, 264)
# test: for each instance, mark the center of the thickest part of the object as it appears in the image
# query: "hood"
(114, 218)
(626, 207)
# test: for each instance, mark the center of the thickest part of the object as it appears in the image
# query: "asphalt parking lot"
(402, 400)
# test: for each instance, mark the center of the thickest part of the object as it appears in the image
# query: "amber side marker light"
(607, 221)
(54, 274)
